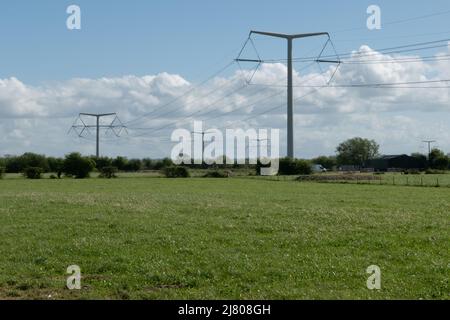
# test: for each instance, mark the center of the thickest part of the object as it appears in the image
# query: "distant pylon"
(116, 126)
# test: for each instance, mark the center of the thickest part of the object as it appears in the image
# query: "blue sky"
(183, 37)
(131, 57)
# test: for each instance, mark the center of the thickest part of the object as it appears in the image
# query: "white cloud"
(36, 118)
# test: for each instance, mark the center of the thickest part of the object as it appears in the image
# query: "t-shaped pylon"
(113, 126)
(290, 91)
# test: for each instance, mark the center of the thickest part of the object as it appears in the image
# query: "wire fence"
(422, 180)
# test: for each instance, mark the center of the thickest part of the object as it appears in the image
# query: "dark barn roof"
(402, 161)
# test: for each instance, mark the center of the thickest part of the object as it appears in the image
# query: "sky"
(132, 57)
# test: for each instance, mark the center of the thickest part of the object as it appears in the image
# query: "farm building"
(395, 162)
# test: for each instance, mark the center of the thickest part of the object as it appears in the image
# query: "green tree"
(147, 164)
(19, 164)
(161, 164)
(133, 165)
(120, 163)
(108, 172)
(356, 151)
(176, 172)
(78, 166)
(13, 165)
(423, 161)
(290, 167)
(32, 173)
(55, 164)
(327, 162)
(438, 160)
(102, 162)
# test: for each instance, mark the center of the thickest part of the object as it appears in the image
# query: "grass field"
(156, 238)
(393, 179)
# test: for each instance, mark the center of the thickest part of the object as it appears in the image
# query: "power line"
(226, 113)
(189, 115)
(390, 50)
(273, 108)
(215, 117)
(270, 96)
(400, 60)
(215, 109)
(84, 127)
(290, 94)
(184, 94)
(246, 106)
(195, 100)
(368, 85)
(394, 37)
(266, 111)
(394, 22)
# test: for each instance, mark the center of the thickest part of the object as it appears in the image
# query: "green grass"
(157, 238)
(397, 179)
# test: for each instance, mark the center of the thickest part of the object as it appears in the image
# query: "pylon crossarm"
(290, 94)
(290, 36)
(328, 61)
(249, 60)
(115, 128)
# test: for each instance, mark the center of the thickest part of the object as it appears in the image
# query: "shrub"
(147, 164)
(27, 160)
(33, 172)
(78, 166)
(161, 164)
(438, 160)
(434, 171)
(53, 177)
(102, 162)
(339, 178)
(133, 165)
(411, 171)
(327, 162)
(176, 172)
(108, 172)
(217, 174)
(290, 166)
(55, 164)
(2, 172)
(304, 167)
(120, 163)
(441, 163)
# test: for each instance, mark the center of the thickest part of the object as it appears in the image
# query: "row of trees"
(354, 151)
(18, 164)
(438, 160)
(357, 151)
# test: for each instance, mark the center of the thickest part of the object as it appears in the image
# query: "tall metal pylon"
(290, 92)
(429, 142)
(115, 128)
